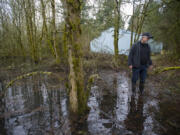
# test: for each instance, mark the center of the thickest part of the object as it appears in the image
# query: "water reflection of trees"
(135, 118)
(2, 109)
(31, 107)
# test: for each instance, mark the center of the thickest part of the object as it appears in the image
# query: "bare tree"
(137, 19)
(29, 8)
(45, 32)
(17, 20)
(116, 28)
(132, 25)
(54, 30)
(141, 20)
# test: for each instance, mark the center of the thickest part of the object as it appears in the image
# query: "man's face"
(145, 39)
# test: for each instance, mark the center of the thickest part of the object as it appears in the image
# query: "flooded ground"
(39, 106)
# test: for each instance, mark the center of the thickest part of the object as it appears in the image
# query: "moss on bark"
(78, 97)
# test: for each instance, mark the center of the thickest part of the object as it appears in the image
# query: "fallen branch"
(159, 70)
(27, 75)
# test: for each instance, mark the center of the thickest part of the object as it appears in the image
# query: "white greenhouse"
(104, 43)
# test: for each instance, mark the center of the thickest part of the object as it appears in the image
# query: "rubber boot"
(133, 87)
(141, 87)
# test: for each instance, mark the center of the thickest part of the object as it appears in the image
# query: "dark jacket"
(134, 55)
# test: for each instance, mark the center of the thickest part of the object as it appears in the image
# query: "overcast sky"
(126, 10)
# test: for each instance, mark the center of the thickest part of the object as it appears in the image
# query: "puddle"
(34, 107)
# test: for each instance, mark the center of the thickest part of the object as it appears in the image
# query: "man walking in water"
(139, 60)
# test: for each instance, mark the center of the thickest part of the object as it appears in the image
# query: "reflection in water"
(123, 94)
(108, 113)
(2, 106)
(115, 110)
(95, 122)
(34, 107)
(135, 118)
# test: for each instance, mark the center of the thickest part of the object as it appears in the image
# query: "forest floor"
(111, 101)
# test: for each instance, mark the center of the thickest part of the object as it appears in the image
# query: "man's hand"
(130, 66)
(151, 67)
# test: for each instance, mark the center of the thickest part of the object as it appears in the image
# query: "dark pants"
(139, 72)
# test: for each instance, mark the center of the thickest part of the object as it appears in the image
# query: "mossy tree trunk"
(78, 97)
(116, 29)
(29, 8)
(54, 31)
(17, 20)
(45, 30)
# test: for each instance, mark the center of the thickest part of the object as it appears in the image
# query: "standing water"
(39, 106)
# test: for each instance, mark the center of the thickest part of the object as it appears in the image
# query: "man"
(139, 60)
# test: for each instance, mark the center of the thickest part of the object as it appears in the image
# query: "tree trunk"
(31, 28)
(17, 17)
(141, 21)
(116, 29)
(145, 8)
(132, 25)
(45, 29)
(54, 30)
(78, 97)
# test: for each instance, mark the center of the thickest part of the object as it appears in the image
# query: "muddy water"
(39, 106)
